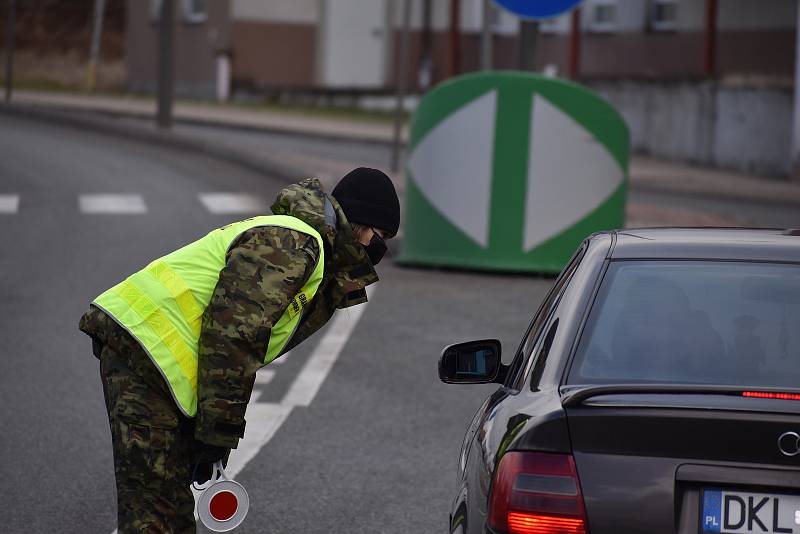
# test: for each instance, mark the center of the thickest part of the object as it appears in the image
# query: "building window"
(191, 11)
(497, 22)
(602, 15)
(560, 24)
(664, 15)
(195, 10)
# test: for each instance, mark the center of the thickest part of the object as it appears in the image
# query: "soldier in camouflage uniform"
(158, 450)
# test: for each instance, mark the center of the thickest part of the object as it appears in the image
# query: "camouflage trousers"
(152, 440)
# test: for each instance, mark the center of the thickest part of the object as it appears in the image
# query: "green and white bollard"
(509, 171)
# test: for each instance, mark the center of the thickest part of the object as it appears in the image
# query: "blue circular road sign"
(537, 9)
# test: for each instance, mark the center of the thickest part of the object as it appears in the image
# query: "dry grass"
(65, 71)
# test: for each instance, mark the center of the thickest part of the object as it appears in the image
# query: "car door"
(496, 418)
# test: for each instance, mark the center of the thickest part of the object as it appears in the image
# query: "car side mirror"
(473, 362)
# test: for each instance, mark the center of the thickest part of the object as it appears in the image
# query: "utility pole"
(486, 36)
(166, 76)
(401, 76)
(425, 72)
(710, 39)
(528, 34)
(12, 30)
(454, 38)
(94, 51)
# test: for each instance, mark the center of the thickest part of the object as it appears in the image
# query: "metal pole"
(486, 36)
(528, 34)
(575, 45)
(454, 38)
(12, 29)
(166, 78)
(94, 51)
(425, 69)
(710, 48)
(401, 75)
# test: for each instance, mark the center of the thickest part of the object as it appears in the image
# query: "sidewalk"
(132, 117)
(216, 115)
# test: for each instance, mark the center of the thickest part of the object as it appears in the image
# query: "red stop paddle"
(223, 503)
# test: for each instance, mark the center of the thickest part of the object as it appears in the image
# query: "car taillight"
(537, 493)
(770, 395)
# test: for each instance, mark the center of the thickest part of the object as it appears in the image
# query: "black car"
(657, 390)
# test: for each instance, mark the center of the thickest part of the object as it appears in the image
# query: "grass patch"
(350, 114)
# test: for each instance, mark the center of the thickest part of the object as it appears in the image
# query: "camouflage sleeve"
(265, 269)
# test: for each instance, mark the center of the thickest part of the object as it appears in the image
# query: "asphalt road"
(744, 213)
(376, 449)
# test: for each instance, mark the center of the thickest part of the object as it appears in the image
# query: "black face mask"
(375, 249)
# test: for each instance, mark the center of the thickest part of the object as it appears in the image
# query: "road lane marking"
(307, 384)
(9, 203)
(264, 376)
(223, 203)
(112, 204)
(281, 360)
(265, 418)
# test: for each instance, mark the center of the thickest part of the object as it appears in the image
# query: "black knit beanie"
(368, 197)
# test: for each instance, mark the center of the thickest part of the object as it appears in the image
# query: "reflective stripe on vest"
(162, 305)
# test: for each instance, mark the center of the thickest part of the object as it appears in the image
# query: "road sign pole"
(486, 36)
(528, 34)
(402, 81)
(94, 51)
(166, 77)
(12, 28)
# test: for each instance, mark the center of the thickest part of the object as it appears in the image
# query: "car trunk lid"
(643, 458)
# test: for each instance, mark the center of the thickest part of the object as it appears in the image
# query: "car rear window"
(727, 323)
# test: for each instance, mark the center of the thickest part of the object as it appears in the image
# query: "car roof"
(707, 243)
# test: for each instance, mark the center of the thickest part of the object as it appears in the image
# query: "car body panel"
(660, 445)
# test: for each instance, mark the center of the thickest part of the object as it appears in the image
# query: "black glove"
(205, 457)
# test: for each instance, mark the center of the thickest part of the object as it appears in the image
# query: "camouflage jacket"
(265, 268)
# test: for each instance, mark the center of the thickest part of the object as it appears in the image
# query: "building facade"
(329, 44)
(705, 81)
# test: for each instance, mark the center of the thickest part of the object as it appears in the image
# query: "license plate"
(738, 511)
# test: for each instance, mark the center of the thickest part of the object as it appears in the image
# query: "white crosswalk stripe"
(9, 203)
(224, 203)
(264, 376)
(112, 204)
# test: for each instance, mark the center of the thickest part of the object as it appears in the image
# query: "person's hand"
(205, 457)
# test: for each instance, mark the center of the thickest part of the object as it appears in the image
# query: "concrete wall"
(196, 48)
(744, 129)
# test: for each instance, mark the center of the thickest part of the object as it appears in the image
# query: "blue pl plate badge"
(712, 511)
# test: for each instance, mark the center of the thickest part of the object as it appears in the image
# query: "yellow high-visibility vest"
(162, 305)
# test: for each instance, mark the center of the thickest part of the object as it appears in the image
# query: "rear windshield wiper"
(572, 396)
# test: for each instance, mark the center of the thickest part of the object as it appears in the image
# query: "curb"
(339, 137)
(722, 196)
(143, 134)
